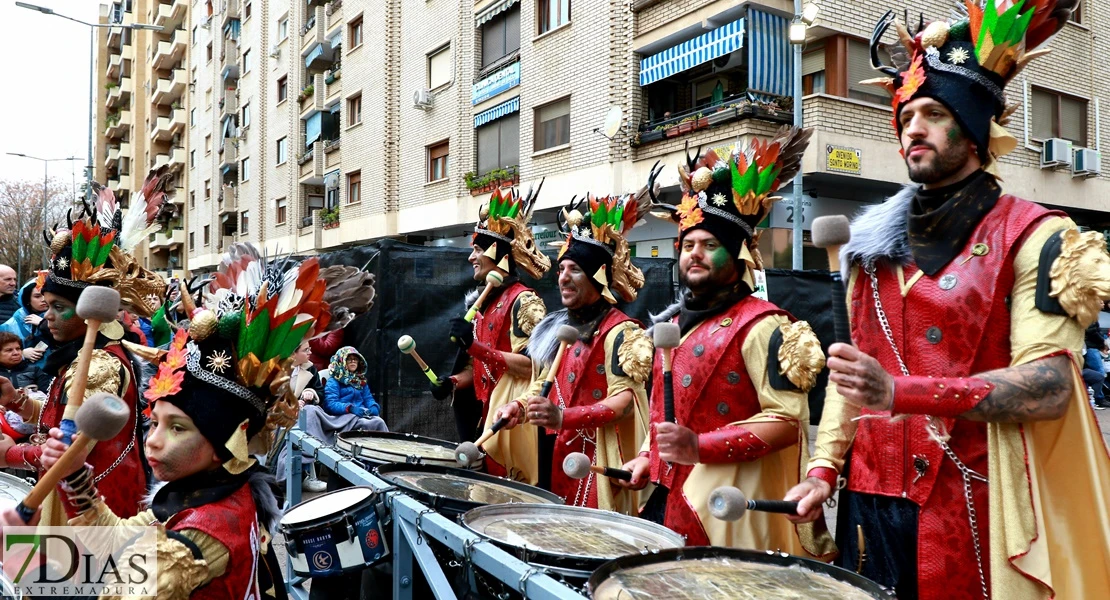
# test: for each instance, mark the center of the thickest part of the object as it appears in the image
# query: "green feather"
(79, 246)
(276, 340)
(749, 179)
(616, 217)
(1021, 27)
(102, 255)
(514, 211)
(767, 179)
(986, 28)
(601, 215)
(1001, 33)
(294, 339)
(737, 178)
(252, 337)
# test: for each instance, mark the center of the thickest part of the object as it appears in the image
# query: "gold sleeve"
(527, 313)
(1035, 334)
(791, 405)
(104, 375)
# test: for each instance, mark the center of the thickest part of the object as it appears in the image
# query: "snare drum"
(727, 573)
(13, 489)
(384, 447)
(455, 491)
(334, 533)
(569, 541)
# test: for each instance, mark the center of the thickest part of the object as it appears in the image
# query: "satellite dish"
(614, 122)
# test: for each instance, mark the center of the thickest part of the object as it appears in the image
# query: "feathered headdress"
(967, 63)
(504, 232)
(597, 241)
(229, 370)
(729, 197)
(349, 293)
(96, 248)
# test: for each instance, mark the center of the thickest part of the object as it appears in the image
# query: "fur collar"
(470, 297)
(544, 341)
(668, 313)
(262, 491)
(879, 232)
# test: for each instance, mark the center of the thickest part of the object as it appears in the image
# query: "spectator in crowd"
(304, 378)
(1094, 373)
(18, 369)
(8, 284)
(347, 391)
(28, 324)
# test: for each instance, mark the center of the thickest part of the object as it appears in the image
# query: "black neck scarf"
(941, 220)
(695, 310)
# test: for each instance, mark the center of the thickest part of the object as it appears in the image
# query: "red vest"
(711, 390)
(233, 522)
(581, 381)
(491, 327)
(956, 332)
(124, 487)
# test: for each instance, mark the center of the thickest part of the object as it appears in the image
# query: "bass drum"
(455, 491)
(378, 448)
(707, 573)
(13, 489)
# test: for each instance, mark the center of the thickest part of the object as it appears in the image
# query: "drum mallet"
(493, 280)
(407, 345)
(831, 233)
(96, 305)
(99, 418)
(729, 504)
(469, 452)
(578, 466)
(667, 337)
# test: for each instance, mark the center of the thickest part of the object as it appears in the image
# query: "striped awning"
(689, 54)
(770, 60)
(505, 108)
(492, 11)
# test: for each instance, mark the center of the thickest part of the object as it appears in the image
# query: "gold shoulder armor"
(635, 354)
(103, 374)
(800, 356)
(1081, 275)
(179, 573)
(530, 311)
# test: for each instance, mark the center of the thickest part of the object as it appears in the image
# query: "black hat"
(597, 243)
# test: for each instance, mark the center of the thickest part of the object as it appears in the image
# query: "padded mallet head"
(494, 278)
(576, 465)
(831, 231)
(666, 335)
(406, 344)
(567, 334)
(98, 303)
(102, 416)
(467, 454)
(728, 503)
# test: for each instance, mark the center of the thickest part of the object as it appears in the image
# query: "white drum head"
(326, 505)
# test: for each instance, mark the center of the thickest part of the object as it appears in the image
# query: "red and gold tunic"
(233, 523)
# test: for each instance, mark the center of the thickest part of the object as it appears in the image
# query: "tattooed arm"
(1035, 391)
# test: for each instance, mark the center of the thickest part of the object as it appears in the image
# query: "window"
(283, 29)
(1056, 115)
(245, 169)
(552, 14)
(354, 32)
(192, 159)
(244, 221)
(499, 144)
(207, 197)
(354, 187)
(439, 67)
(246, 115)
(553, 125)
(208, 53)
(282, 88)
(1077, 16)
(208, 99)
(192, 117)
(246, 61)
(437, 161)
(354, 110)
(207, 144)
(191, 239)
(501, 36)
(247, 10)
(813, 71)
(282, 150)
(859, 69)
(206, 236)
(279, 212)
(193, 199)
(194, 40)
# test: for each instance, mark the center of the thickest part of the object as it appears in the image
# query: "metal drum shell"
(348, 442)
(14, 488)
(328, 523)
(454, 507)
(860, 582)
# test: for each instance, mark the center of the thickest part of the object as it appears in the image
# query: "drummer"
(598, 404)
(740, 373)
(209, 400)
(499, 371)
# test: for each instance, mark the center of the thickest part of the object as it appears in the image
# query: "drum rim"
(603, 572)
(332, 518)
(386, 473)
(469, 516)
(344, 442)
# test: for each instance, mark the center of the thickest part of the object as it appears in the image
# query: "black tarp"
(419, 288)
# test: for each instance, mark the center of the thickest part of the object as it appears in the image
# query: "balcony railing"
(736, 108)
(170, 89)
(231, 12)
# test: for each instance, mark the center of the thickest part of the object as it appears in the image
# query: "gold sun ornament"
(958, 56)
(219, 362)
(719, 199)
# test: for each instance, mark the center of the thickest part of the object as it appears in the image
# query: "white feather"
(134, 229)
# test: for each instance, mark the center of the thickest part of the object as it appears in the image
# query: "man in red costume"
(597, 405)
(742, 369)
(976, 467)
(499, 371)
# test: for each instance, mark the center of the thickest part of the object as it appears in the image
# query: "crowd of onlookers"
(1096, 364)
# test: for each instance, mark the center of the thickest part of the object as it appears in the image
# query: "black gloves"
(462, 332)
(442, 388)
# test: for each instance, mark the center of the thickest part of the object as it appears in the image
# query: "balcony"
(333, 156)
(170, 90)
(114, 63)
(113, 158)
(171, 13)
(226, 241)
(314, 97)
(175, 159)
(229, 61)
(171, 52)
(228, 200)
(311, 35)
(120, 184)
(231, 13)
(312, 165)
(229, 104)
(714, 114)
(115, 34)
(334, 13)
(116, 126)
(168, 239)
(334, 87)
(119, 93)
(165, 127)
(229, 162)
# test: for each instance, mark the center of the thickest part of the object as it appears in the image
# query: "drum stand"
(413, 524)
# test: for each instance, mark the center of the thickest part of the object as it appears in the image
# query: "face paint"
(719, 258)
(175, 448)
(61, 318)
(68, 313)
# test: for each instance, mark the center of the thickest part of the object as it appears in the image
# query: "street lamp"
(19, 213)
(92, 74)
(803, 18)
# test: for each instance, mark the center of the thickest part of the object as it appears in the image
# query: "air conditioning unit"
(275, 51)
(206, 23)
(729, 61)
(422, 99)
(1056, 153)
(1087, 163)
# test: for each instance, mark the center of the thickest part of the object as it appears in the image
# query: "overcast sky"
(44, 101)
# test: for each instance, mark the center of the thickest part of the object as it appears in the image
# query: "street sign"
(841, 159)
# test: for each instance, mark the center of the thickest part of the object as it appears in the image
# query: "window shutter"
(1044, 115)
(859, 69)
(1073, 120)
(813, 61)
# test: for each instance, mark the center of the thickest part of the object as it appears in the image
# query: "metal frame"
(412, 522)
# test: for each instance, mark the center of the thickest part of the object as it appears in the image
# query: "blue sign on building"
(505, 79)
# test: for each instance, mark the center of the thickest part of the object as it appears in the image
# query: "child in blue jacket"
(347, 391)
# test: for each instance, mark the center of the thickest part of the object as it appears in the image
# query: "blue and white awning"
(770, 60)
(689, 54)
(505, 108)
(492, 11)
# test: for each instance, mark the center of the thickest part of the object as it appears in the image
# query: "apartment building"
(313, 125)
(141, 109)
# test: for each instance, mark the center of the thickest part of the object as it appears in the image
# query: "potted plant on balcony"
(330, 218)
(306, 92)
